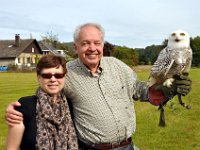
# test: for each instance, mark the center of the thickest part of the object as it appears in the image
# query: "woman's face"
(51, 80)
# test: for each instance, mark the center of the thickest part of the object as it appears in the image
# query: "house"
(19, 52)
(48, 48)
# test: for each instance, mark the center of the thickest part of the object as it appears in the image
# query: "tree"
(152, 52)
(195, 45)
(127, 55)
(108, 49)
(142, 57)
(50, 38)
(164, 43)
(143, 60)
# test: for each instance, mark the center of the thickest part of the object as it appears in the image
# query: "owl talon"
(168, 82)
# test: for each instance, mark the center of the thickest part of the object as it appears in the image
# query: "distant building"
(19, 52)
(48, 48)
(108, 49)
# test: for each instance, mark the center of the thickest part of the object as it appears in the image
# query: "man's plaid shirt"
(103, 103)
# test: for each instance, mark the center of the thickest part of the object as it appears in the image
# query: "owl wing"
(189, 60)
(163, 63)
(161, 67)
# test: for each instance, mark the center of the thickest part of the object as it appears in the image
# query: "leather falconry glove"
(181, 85)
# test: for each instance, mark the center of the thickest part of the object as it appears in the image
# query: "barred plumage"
(174, 59)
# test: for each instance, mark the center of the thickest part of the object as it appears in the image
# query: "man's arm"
(12, 116)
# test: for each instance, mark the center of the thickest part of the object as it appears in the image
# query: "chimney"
(17, 40)
(31, 37)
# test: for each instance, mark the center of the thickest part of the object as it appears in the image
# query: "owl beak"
(177, 40)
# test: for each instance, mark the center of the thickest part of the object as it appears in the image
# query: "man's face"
(89, 47)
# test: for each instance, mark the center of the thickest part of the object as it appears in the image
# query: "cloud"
(134, 23)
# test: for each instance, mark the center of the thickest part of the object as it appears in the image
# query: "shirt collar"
(99, 70)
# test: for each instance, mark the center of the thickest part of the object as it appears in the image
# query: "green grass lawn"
(12, 87)
(182, 131)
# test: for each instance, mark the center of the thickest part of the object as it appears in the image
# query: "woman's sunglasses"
(49, 75)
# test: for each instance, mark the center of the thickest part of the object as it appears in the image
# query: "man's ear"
(75, 47)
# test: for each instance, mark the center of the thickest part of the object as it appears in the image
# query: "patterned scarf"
(55, 129)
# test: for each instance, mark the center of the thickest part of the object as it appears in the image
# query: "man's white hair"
(96, 25)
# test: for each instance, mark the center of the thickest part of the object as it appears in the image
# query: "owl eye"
(182, 34)
(173, 34)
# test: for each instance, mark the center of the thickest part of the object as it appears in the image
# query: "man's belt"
(106, 146)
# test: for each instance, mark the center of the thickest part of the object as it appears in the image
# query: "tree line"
(131, 56)
(149, 54)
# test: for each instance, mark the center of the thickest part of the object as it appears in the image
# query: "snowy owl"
(173, 60)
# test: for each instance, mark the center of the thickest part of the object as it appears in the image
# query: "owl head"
(179, 39)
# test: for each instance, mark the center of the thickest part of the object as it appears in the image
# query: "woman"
(47, 122)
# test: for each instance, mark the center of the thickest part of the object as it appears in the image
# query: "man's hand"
(12, 116)
(181, 85)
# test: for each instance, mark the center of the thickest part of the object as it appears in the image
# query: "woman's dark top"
(28, 109)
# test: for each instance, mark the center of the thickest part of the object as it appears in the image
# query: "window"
(29, 60)
(33, 50)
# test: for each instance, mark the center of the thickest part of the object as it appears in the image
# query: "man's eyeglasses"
(49, 75)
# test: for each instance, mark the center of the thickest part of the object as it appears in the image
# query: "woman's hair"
(51, 61)
(96, 25)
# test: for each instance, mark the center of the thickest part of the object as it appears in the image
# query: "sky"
(131, 23)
